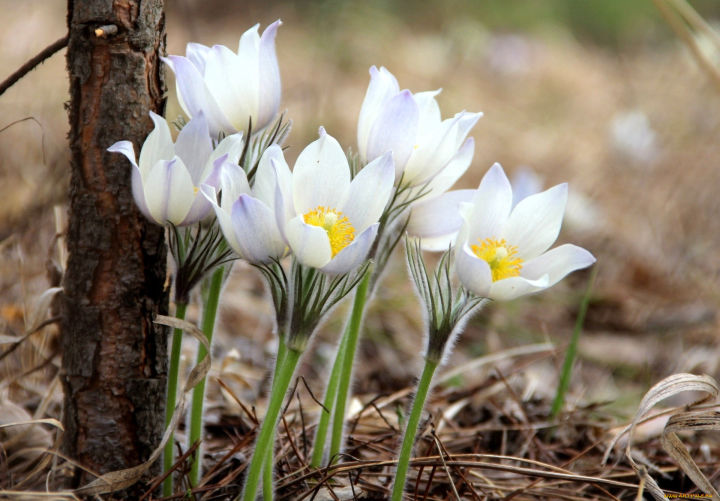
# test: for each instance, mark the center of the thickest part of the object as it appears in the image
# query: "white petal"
(233, 84)
(233, 183)
(264, 185)
(282, 201)
(491, 206)
(194, 95)
(321, 176)
(557, 263)
(534, 223)
(169, 191)
(126, 148)
(193, 145)
(201, 206)
(395, 129)
(255, 229)
(473, 272)
(354, 254)
(453, 171)
(197, 53)
(158, 145)
(232, 146)
(139, 193)
(223, 217)
(270, 89)
(429, 116)
(383, 86)
(310, 244)
(514, 287)
(438, 216)
(369, 193)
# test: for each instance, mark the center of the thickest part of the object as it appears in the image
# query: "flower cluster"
(313, 230)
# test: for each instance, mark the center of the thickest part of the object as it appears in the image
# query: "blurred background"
(598, 93)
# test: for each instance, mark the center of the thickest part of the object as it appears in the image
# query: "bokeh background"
(598, 93)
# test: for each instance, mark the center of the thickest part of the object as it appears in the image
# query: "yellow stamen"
(500, 257)
(338, 227)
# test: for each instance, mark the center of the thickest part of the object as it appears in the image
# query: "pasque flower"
(423, 145)
(329, 221)
(502, 252)
(231, 88)
(247, 217)
(167, 176)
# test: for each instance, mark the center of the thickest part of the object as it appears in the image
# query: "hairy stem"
(268, 491)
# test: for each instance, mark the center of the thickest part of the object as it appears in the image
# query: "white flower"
(247, 217)
(423, 145)
(502, 252)
(231, 88)
(329, 221)
(166, 178)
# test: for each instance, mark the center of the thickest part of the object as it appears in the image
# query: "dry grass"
(550, 103)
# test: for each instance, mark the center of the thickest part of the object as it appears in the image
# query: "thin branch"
(32, 63)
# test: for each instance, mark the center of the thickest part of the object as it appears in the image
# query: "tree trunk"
(114, 357)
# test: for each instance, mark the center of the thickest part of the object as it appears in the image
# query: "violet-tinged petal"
(395, 129)
(270, 89)
(169, 191)
(197, 53)
(194, 146)
(257, 235)
(223, 216)
(438, 216)
(126, 148)
(310, 244)
(354, 254)
(453, 171)
(383, 86)
(233, 84)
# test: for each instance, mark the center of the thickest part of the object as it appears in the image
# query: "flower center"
(500, 257)
(338, 227)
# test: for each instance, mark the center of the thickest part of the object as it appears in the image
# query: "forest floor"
(634, 132)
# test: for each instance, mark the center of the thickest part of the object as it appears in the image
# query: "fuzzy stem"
(268, 491)
(180, 309)
(267, 429)
(196, 413)
(348, 356)
(412, 425)
(329, 400)
(571, 352)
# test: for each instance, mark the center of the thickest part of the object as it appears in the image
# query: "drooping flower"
(329, 221)
(231, 88)
(423, 145)
(167, 176)
(502, 252)
(247, 217)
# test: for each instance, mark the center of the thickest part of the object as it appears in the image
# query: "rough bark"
(114, 357)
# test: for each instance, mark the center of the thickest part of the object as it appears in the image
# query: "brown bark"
(114, 357)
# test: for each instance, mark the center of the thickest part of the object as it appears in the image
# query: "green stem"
(348, 356)
(412, 425)
(180, 309)
(267, 429)
(571, 352)
(329, 400)
(196, 412)
(268, 491)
